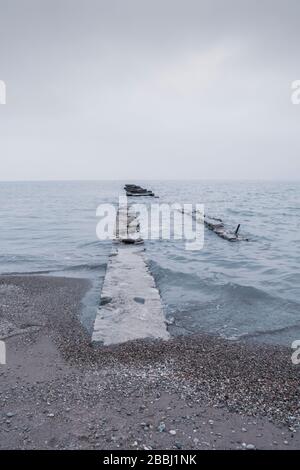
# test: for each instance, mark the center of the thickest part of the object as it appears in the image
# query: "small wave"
(77, 267)
(21, 273)
(235, 290)
(228, 289)
(93, 243)
(268, 331)
(84, 267)
(11, 258)
(171, 276)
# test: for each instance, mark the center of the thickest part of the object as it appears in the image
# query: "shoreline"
(63, 392)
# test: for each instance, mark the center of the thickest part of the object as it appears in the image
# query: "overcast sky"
(159, 89)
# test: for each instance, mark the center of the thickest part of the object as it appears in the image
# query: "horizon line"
(62, 180)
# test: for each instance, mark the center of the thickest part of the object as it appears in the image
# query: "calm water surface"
(247, 289)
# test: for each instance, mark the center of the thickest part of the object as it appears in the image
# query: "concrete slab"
(131, 306)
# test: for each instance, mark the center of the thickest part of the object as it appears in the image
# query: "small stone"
(211, 421)
(173, 432)
(161, 427)
(10, 414)
(244, 429)
(250, 447)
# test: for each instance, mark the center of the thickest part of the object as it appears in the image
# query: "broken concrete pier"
(130, 306)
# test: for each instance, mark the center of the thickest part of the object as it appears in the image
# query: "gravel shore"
(58, 391)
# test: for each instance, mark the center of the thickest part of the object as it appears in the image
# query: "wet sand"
(58, 391)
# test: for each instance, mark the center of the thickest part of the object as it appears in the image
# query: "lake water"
(244, 289)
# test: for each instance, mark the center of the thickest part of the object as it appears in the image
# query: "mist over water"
(237, 290)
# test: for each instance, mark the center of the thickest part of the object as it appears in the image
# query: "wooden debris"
(217, 226)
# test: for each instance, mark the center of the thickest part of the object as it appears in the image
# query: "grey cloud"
(160, 89)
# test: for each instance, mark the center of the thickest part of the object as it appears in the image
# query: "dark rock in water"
(131, 194)
(139, 300)
(127, 241)
(134, 190)
(131, 186)
(131, 241)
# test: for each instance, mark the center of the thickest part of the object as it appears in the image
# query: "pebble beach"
(60, 391)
